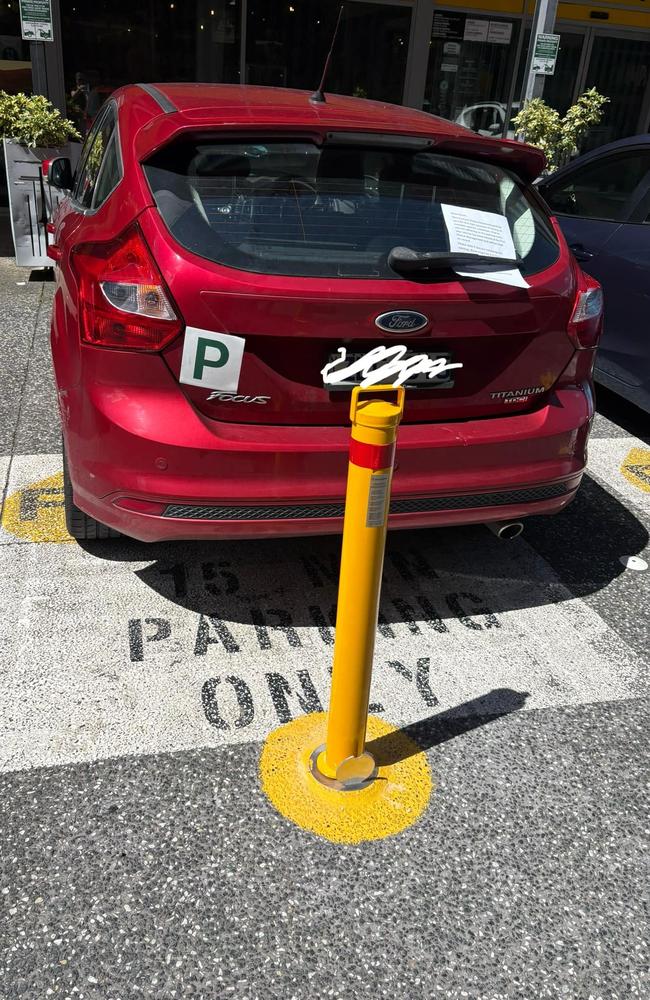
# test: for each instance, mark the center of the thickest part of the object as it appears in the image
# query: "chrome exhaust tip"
(505, 530)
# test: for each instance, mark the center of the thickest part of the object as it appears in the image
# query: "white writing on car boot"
(384, 366)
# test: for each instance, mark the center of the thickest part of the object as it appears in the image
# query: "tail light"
(586, 323)
(123, 300)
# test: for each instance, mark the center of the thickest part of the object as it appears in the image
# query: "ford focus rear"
(223, 247)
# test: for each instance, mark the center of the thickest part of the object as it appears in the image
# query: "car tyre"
(80, 525)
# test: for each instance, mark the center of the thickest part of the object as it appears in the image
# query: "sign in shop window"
(499, 32)
(448, 26)
(461, 28)
(476, 30)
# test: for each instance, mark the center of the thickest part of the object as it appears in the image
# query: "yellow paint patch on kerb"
(636, 468)
(393, 802)
(35, 512)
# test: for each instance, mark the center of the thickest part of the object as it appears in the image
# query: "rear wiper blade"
(407, 261)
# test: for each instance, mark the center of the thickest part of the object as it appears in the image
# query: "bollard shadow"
(444, 726)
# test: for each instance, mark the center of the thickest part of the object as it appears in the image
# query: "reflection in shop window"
(109, 43)
(15, 65)
(618, 68)
(471, 62)
(559, 89)
(15, 78)
(286, 46)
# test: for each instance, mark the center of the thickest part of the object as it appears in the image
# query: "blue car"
(602, 202)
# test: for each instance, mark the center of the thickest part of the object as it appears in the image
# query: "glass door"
(618, 68)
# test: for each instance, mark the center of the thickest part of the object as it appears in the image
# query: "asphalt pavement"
(138, 852)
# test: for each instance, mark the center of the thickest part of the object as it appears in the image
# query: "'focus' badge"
(401, 321)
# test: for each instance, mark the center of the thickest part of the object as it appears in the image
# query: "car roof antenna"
(318, 97)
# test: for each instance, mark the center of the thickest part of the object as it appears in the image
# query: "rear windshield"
(296, 208)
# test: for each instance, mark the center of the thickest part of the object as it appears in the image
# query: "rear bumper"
(153, 528)
(255, 481)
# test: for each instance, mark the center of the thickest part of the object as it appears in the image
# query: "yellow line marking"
(636, 468)
(35, 512)
(393, 802)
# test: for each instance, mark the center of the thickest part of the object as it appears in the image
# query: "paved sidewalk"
(139, 855)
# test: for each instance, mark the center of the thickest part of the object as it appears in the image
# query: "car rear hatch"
(285, 243)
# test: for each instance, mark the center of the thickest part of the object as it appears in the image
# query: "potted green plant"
(559, 137)
(32, 131)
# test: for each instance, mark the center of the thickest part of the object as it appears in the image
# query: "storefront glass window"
(618, 68)
(108, 43)
(559, 89)
(287, 43)
(15, 65)
(15, 78)
(471, 62)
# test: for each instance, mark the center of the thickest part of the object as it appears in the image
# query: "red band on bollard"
(371, 456)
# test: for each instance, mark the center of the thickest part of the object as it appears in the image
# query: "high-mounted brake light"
(586, 323)
(123, 301)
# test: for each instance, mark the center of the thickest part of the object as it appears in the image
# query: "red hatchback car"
(221, 243)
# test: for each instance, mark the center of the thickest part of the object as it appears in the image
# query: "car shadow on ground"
(432, 575)
(622, 414)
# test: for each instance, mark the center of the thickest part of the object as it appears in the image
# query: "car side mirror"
(58, 173)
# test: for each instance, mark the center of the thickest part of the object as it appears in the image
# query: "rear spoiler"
(525, 161)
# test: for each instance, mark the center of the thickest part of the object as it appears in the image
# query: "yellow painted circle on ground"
(636, 468)
(35, 512)
(393, 802)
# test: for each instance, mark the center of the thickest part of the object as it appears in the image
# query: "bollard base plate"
(382, 807)
(352, 774)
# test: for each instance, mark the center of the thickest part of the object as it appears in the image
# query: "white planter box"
(31, 199)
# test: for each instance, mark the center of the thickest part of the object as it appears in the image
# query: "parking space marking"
(33, 507)
(122, 648)
(620, 464)
(636, 468)
(35, 512)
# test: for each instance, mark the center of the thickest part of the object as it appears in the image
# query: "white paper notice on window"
(484, 233)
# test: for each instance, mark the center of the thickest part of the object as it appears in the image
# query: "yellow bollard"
(342, 762)
(288, 765)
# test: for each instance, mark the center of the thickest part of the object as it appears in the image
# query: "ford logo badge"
(401, 321)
